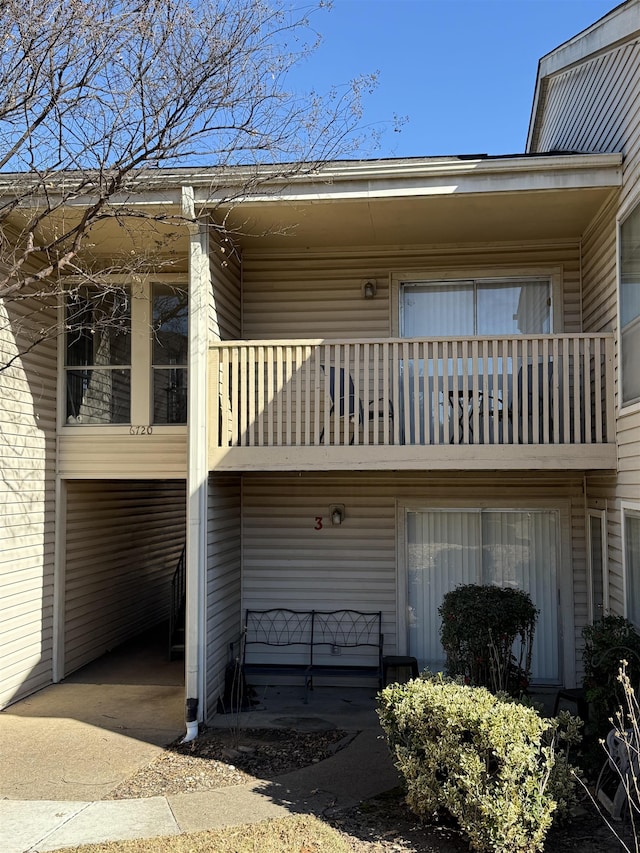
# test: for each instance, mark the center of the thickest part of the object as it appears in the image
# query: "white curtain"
(632, 559)
(519, 551)
(442, 553)
(510, 549)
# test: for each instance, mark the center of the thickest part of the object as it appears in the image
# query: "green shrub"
(607, 642)
(492, 763)
(487, 634)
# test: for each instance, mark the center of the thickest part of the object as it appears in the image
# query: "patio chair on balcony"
(379, 410)
(539, 377)
(494, 405)
(349, 405)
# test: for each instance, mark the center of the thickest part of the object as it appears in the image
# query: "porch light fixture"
(369, 289)
(336, 511)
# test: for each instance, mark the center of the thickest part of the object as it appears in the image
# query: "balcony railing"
(547, 390)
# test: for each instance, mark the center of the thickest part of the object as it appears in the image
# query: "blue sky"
(463, 71)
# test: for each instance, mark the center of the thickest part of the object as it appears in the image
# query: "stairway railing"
(178, 592)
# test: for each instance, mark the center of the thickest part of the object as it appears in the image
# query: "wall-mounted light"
(369, 288)
(336, 511)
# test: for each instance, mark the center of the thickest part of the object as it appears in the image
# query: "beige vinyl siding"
(587, 107)
(594, 107)
(223, 620)
(27, 485)
(610, 122)
(628, 422)
(599, 280)
(108, 453)
(225, 306)
(288, 563)
(603, 492)
(600, 314)
(319, 294)
(122, 546)
(222, 608)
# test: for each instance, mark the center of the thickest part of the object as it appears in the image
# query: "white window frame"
(602, 516)
(478, 274)
(627, 508)
(632, 406)
(566, 611)
(64, 368)
(141, 361)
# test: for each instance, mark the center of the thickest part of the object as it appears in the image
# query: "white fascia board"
(418, 169)
(365, 179)
(620, 25)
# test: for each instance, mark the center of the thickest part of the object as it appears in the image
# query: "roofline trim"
(212, 185)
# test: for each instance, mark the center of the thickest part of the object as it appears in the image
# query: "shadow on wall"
(28, 369)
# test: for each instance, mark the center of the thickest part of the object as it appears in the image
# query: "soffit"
(368, 203)
(429, 220)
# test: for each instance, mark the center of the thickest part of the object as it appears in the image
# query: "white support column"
(59, 579)
(197, 467)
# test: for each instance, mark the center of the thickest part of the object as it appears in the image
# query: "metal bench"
(324, 643)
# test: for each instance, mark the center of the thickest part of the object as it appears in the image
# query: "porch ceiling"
(553, 214)
(425, 202)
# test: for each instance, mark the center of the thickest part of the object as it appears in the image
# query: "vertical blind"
(476, 307)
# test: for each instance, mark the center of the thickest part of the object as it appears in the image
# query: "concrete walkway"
(67, 746)
(359, 771)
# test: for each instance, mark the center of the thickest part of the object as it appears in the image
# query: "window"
(631, 530)
(98, 356)
(509, 548)
(597, 564)
(630, 306)
(126, 354)
(170, 354)
(476, 307)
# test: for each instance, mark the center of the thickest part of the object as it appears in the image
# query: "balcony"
(542, 402)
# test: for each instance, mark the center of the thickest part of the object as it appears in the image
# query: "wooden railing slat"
(540, 389)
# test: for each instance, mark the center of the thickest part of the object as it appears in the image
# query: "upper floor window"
(170, 354)
(630, 307)
(126, 354)
(98, 356)
(476, 307)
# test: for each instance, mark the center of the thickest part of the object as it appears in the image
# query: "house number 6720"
(140, 430)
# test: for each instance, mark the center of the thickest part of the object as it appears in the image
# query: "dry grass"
(295, 834)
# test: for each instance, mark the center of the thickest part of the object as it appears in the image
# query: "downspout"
(197, 467)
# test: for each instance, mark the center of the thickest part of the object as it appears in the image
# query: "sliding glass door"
(446, 548)
(475, 307)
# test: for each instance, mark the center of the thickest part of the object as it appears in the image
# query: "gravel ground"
(219, 758)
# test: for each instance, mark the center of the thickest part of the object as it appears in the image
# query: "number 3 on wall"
(318, 523)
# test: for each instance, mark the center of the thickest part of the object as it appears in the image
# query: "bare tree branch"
(98, 95)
